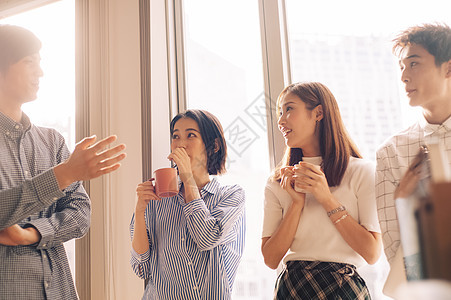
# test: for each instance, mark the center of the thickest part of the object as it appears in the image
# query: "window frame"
(14, 7)
(276, 64)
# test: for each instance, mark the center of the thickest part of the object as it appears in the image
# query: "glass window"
(54, 25)
(224, 76)
(347, 46)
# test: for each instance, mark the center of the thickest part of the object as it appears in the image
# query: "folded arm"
(211, 228)
(31, 196)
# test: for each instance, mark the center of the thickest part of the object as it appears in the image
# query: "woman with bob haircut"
(321, 221)
(189, 246)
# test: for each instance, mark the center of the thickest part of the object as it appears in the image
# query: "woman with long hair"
(320, 213)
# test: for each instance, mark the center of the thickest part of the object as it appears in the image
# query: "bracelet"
(340, 219)
(335, 210)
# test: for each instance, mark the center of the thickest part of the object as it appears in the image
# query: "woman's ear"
(216, 149)
(319, 112)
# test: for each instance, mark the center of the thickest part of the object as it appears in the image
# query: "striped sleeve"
(211, 228)
(140, 262)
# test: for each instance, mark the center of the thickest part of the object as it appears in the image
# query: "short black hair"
(16, 43)
(212, 136)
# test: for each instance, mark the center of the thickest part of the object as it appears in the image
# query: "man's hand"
(410, 180)
(89, 161)
(408, 184)
(16, 235)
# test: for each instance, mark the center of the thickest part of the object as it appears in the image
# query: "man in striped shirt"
(42, 201)
(425, 59)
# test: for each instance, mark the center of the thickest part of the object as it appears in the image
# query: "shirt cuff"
(46, 231)
(47, 187)
(194, 206)
(140, 258)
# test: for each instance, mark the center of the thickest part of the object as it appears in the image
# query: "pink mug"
(166, 184)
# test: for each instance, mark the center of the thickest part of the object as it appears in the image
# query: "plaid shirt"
(29, 196)
(393, 159)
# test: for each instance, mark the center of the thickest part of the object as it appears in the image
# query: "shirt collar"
(316, 160)
(429, 128)
(211, 187)
(10, 127)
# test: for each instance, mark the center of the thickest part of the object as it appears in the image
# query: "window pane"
(55, 105)
(224, 76)
(348, 47)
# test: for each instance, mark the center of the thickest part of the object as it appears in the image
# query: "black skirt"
(315, 280)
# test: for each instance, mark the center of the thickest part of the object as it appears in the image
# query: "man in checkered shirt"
(425, 59)
(42, 201)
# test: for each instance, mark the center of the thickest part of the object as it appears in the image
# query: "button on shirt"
(195, 247)
(30, 196)
(393, 159)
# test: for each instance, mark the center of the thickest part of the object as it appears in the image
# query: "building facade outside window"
(346, 46)
(223, 64)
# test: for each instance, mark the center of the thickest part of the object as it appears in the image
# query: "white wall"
(126, 123)
(115, 108)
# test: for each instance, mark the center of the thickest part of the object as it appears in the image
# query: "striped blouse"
(195, 247)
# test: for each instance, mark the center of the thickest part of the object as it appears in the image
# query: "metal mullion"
(275, 68)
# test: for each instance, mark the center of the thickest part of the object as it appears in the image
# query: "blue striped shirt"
(195, 247)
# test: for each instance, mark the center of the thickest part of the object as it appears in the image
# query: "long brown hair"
(336, 146)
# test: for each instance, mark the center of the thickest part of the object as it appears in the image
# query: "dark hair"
(336, 146)
(16, 43)
(212, 136)
(435, 38)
